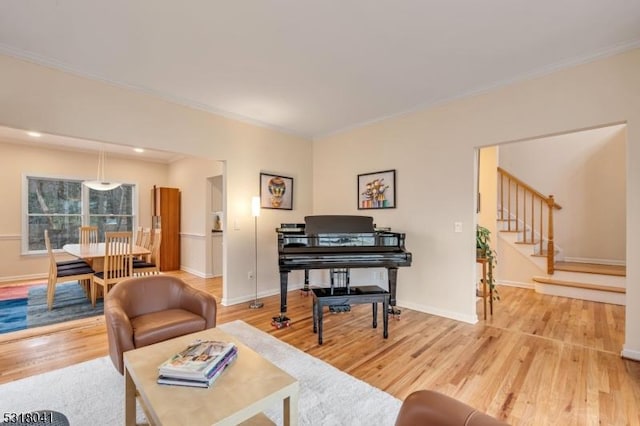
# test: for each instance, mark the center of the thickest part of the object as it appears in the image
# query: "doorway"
(215, 216)
(586, 172)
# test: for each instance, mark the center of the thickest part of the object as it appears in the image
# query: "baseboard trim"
(195, 272)
(248, 298)
(470, 319)
(518, 284)
(630, 354)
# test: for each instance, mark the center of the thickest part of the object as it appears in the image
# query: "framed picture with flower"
(276, 192)
(377, 190)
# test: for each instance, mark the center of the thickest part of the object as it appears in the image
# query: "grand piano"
(337, 242)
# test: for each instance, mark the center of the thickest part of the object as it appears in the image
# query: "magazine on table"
(204, 383)
(198, 360)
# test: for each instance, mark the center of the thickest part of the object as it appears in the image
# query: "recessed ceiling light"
(34, 134)
(138, 149)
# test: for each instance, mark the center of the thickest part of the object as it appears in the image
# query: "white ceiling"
(314, 68)
(64, 143)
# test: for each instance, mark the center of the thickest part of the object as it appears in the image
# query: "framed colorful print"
(276, 192)
(377, 190)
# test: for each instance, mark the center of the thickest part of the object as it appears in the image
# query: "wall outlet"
(250, 275)
(457, 227)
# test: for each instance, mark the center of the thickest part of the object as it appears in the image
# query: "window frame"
(84, 209)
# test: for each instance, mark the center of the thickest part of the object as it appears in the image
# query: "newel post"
(550, 244)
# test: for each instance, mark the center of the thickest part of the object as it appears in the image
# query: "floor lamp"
(255, 211)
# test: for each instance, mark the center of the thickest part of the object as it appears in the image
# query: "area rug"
(26, 306)
(93, 392)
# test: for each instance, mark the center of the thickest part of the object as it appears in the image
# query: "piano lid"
(329, 241)
(337, 233)
(329, 224)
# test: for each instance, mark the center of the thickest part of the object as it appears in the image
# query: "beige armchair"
(427, 407)
(146, 310)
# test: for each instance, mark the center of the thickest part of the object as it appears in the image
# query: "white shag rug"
(92, 393)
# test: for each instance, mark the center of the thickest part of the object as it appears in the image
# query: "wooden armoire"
(165, 210)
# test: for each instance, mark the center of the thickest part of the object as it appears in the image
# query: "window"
(56, 205)
(62, 205)
(111, 211)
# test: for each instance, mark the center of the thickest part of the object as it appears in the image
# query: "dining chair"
(144, 241)
(88, 234)
(147, 238)
(64, 271)
(118, 262)
(150, 265)
(139, 231)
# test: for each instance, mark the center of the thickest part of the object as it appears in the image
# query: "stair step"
(591, 268)
(586, 286)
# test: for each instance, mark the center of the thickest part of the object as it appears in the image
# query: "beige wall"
(586, 173)
(37, 97)
(488, 181)
(487, 216)
(432, 150)
(190, 175)
(18, 160)
(433, 153)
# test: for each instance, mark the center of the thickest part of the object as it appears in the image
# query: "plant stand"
(486, 265)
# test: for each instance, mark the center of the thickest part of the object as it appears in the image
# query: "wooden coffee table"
(250, 385)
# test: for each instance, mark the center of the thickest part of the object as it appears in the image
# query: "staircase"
(525, 222)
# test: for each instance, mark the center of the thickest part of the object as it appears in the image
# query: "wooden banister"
(515, 201)
(503, 172)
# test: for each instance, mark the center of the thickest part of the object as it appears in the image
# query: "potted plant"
(484, 250)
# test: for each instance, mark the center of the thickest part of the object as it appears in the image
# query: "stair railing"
(521, 203)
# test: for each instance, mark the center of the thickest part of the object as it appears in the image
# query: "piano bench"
(350, 295)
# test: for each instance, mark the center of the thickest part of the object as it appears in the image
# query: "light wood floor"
(592, 268)
(541, 360)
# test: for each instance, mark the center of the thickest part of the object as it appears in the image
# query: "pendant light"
(101, 184)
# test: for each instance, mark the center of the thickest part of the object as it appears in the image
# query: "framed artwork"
(276, 192)
(377, 190)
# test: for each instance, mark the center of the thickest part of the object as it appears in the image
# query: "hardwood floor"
(592, 268)
(540, 360)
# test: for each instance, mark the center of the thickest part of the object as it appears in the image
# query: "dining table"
(95, 252)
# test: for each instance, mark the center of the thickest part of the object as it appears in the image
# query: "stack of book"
(199, 364)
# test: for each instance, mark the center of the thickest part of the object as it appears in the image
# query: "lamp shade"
(101, 184)
(255, 206)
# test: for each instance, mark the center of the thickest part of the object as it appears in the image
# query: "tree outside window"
(111, 211)
(63, 205)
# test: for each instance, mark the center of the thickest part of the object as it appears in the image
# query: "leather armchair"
(147, 310)
(426, 407)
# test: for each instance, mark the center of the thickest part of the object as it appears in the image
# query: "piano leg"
(305, 290)
(375, 314)
(393, 279)
(319, 321)
(385, 318)
(282, 320)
